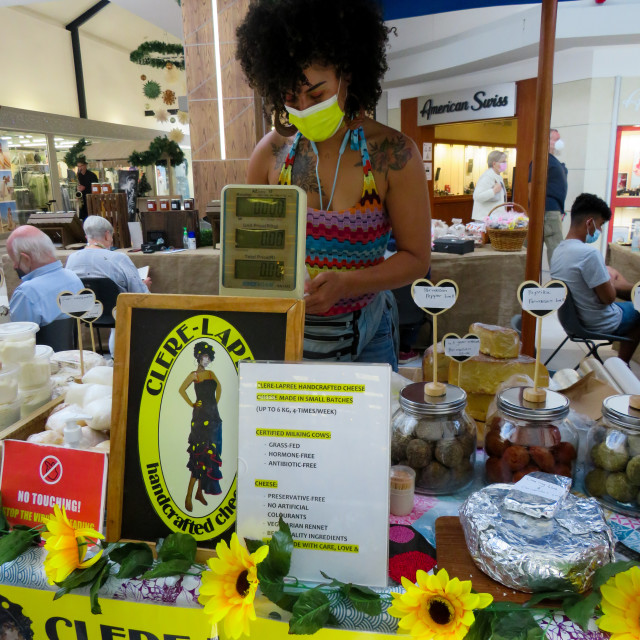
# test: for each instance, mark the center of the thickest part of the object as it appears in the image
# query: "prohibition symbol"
(51, 470)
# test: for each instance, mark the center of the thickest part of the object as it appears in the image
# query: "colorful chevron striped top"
(354, 238)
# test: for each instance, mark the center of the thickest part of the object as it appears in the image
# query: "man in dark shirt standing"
(555, 196)
(85, 180)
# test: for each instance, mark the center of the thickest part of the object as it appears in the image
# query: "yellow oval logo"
(188, 425)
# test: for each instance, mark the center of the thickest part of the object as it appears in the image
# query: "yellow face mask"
(320, 121)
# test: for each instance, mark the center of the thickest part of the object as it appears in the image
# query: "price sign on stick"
(90, 317)
(434, 300)
(461, 349)
(540, 301)
(77, 305)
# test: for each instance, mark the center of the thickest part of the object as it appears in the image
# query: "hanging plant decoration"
(172, 119)
(169, 66)
(143, 77)
(183, 117)
(162, 115)
(152, 89)
(169, 97)
(157, 54)
(159, 149)
(71, 157)
(176, 135)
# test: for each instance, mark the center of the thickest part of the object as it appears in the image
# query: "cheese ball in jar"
(436, 438)
(522, 437)
(613, 459)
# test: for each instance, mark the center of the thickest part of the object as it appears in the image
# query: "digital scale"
(263, 241)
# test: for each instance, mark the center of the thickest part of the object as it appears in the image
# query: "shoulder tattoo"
(279, 152)
(303, 173)
(390, 154)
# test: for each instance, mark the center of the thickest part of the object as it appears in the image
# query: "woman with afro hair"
(205, 437)
(319, 64)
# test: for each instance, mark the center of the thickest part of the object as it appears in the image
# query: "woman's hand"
(497, 187)
(324, 291)
(197, 403)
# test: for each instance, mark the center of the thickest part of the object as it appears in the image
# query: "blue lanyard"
(343, 146)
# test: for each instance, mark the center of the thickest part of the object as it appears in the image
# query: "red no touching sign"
(37, 477)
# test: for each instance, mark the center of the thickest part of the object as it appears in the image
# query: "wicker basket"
(508, 239)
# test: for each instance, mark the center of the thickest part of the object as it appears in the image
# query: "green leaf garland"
(155, 154)
(77, 151)
(165, 52)
(152, 89)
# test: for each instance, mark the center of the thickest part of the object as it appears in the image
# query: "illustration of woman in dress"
(205, 437)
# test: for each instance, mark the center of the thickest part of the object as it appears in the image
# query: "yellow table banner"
(31, 614)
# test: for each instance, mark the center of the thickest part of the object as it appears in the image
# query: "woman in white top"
(490, 190)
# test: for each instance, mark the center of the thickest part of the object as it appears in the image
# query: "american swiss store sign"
(481, 103)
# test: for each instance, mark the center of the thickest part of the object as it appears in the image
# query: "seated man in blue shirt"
(43, 277)
(593, 285)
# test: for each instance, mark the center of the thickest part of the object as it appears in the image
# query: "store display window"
(457, 167)
(625, 192)
(25, 177)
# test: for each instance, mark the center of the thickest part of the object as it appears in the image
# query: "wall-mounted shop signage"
(480, 103)
(314, 450)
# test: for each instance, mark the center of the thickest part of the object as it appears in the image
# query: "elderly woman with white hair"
(98, 261)
(490, 190)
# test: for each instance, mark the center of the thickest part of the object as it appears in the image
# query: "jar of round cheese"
(613, 460)
(436, 438)
(523, 437)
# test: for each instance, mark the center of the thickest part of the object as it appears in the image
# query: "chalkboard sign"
(174, 439)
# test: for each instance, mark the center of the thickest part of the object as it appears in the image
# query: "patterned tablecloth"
(28, 571)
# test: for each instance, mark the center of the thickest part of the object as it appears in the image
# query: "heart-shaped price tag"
(78, 304)
(541, 301)
(94, 313)
(461, 349)
(434, 299)
(635, 296)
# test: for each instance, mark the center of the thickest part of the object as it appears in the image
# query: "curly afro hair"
(203, 349)
(280, 38)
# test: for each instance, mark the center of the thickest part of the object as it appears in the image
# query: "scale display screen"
(263, 240)
(253, 207)
(259, 238)
(259, 269)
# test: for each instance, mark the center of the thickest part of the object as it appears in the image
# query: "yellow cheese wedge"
(483, 374)
(443, 364)
(495, 341)
(478, 405)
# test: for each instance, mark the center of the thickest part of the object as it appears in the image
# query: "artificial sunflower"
(621, 605)
(229, 589)
(437, 607)
(66, 546)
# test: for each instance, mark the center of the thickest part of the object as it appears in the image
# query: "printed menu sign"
(314, 449)
(36, 477)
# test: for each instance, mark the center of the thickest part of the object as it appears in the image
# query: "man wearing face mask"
(556, 194)
(43, 277)
(490, 190)
(593, 285)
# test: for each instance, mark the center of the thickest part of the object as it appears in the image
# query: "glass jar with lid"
(436, 437)
(613, 460)
(524, 436)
